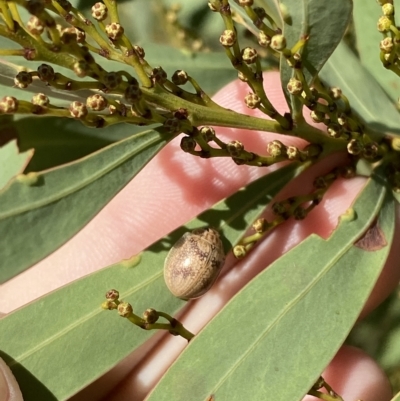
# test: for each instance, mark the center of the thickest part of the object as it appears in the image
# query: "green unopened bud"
(252, 100)
(260, 12)
(354, 147)
(370, 150)
(125, 309)
(172, 125)
(8, 105)
(335, 130)
(278, 42)
(40, 99)
(188, 144)
(299, 213)
(112, 80)
(239, 251)
(180, 77)
(293, 153)
(114, 30)
(317, 116)
(294, 86)
(386, 45)
(23, 79)
(249, 55)
(35, 26)
(99, 11)
(242, 77)
(150, 315)
(260, 225)
(109, 305)
(112, 295)
(78, 110)
(388, 9)
(132, 92)
(335, 92)
(276, 148)
(384, 24)
(208, 133)
(46, 73)
(263, 39)
(96, 102)
(228, 38)
(159, 75)
(234, 148)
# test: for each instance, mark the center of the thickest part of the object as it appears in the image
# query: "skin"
(113, 235)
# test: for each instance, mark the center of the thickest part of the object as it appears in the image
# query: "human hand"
(184, 186)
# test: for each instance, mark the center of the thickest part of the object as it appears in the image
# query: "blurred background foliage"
(182, 35)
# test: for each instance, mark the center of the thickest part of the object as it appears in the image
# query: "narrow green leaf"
(71, 341)
(43, 210)
(366, 96)
(365, 16)
(62, 140)
(290, 320)
(324, 23)
(12, 162)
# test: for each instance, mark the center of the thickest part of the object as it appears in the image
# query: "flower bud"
(180, 77)
(317, 116)
(46, 72)
(263, 39)
(150, 315)
(278, 42)
(249, 55)
(132, 92)
(354, 147)
(8, 105)
(388, 9)
(159, 75)
(40, 99)
(125, 309)
(239, 251)
(260, 225)
(252, 100)
(172, 125)
(112, 80)
(23, 79)
(188, 144)
(112, 295)
(228, 38)
(386, 45)
(99, 11)
(235, 148)
(35, 26)
(114, 30)
(276, 148)
(294, 86)
(384, 24)
(208, 133)
(96, 102)
(78, 110)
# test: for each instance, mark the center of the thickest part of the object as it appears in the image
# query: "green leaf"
(366, 15)
(366, 96)
(40, 211)
(325, 24)
(62, 140)
(12, 162)
(65, 341)
(290, 320)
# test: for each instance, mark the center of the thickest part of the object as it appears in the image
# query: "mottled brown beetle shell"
(193, 263)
